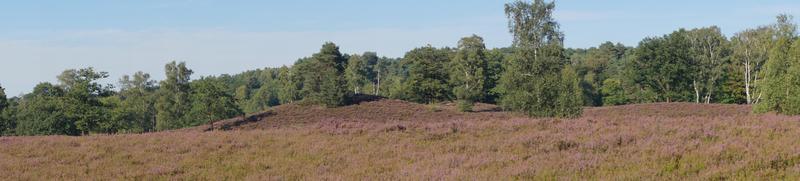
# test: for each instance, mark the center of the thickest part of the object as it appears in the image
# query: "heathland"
(393, 139)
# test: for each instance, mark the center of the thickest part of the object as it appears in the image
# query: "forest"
(536, 76)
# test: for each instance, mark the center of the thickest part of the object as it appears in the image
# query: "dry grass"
(398, 140)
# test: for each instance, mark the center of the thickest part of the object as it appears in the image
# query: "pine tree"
(324, 81)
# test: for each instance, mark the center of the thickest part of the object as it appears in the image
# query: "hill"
(391, 139)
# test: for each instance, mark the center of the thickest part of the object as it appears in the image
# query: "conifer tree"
(324, 81)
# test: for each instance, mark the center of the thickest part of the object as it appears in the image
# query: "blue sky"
(39, 39)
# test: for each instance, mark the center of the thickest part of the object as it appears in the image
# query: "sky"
(39, 38)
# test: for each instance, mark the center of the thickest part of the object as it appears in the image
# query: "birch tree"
(709, 49)
(532, 81)
(750, 49)
(469, 72)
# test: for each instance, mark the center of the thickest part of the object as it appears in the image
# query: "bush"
(464, 106)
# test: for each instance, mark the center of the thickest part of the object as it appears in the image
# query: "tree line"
(535, 76)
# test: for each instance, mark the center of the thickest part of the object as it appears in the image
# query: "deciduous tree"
(469, 72)
(173, 103)
(532, 81)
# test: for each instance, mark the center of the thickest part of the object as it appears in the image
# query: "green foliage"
(710, 52)
(210, 102)
(323, 77)
(427, 82)
(3, 99)
(468, 75)
(780, 75)
(594, 66)
(663, 65)
(569, 102)
(750, 52)
(6, 124)
(290, 83)
(82, 100)
(360, 71)
(613, 92)
(134, 106)
(263, 98)
(43, 113)
(173, 103)
(532, 82)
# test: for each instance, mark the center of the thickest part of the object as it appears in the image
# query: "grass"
(638, 142)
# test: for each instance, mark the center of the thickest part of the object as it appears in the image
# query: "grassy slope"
(398, 140)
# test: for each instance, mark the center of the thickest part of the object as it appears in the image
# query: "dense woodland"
(536, 76)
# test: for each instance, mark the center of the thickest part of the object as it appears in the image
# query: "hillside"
(391, 139)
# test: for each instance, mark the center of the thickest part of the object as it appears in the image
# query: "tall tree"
(532, 81)
(750, 52)
(710, 52)
(135, 111)
(426, 81)
(469, 72)
(356, 73)
(777, 84)
(82, 99)
(662, 64)
(324, 81)
(173, 102)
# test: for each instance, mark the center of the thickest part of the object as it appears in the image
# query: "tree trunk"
(696, 92)
(378, 87)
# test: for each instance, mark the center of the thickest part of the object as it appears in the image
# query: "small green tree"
(569, 103)
(210, 103)
(469, 72)
(242, 97)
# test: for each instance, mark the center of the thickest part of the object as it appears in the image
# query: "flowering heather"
(391, 140)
